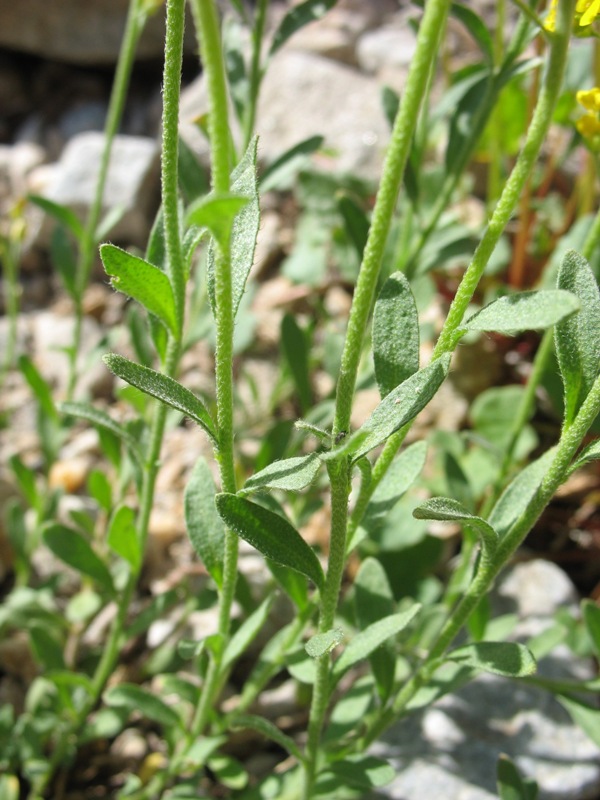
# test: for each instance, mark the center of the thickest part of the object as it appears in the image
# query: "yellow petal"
(590, 12)
(589, 99)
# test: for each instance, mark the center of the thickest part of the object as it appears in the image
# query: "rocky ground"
(54, 87)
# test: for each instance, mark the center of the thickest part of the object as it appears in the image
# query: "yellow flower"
(589, 99)
(589, 10)
(588, 126)
(550, 23)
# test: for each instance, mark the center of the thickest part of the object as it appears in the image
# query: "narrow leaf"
(366, 772)
(270, 731)
(217, 213)
(102, 420)
(244, 230)
(578, 338)
(204, 526)
(60, 213)
(296, 352)
(477, 28)
(141, 280)
(163, 388)
(365, 642)
(526, 311)
(284, 164)
(398, 407)
(290, 474)
(246, 633)
(322, 643)
(270, 534)
(192, 176)
(591, 618)
(356, 222)
(122, 536)
(589, 453)
(447, 509)
(134, 698)
(76, 552)
(585, 715)
(511, 784)
(516, 497)
(38, 385)
(296, 18)
(501, 658)
(395, 334)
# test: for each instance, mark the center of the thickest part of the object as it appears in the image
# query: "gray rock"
(132, 184)
(450, 750)
(79, 32)
(389, 48)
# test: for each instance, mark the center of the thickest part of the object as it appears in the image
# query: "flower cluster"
(588, 125)
(586, 12)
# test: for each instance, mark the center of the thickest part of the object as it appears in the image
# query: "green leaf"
(323, 643)
(229, 771)
(134, 698)
(163, 388)
(397, 408)
(526, 311)
(296, 18)
(509, 659)
(589, 453)
(395, 334)
(279, 169)
(141, 280)
(47, 649)
(511, 784)
(122, 536)
(373, 600)
(100, 489)
(38, 385)
(356, 222)
(102, 420)
(270, 534)
(60, 213)
(27, 482)
(295, 349)
(76, 552)
(64, 259)
(290, 474)
(578, 338)
(293, 583)
(217, 213)
(591, 618)
(583, 714)
(246, 633)
(515, 499)
(204, 525)
(366, 772)
(108, 222)
(365, 642)
(449, 510)
(477, 28)
(192, 177)
(267, 729)
(244, 231)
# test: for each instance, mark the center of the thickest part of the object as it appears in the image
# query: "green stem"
(430, 30)
(536, 134)
(256, 71)
(136, 20)
(592, 239)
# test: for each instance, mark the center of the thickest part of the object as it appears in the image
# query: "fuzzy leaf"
(398, 479)
(270, 534)
(589, 453)
(366, 772)
(477, 28)
(578, 338)
(395, 334)
(501, 658)
(449, 510)
(511, 784)
(290, 474)
(204, 526)
(322, 643)
(591, 617)
(76, 552)
(583, 714)
(526, 311)
(296, 18)
(217, 213)
(270, 731)
(60, 213)
(516, 497)
(163, 388)
(296, 351)
(244, 230)
(134, 698)
(365, 642)
(246, 633)
(122, 536)
(102, 420)
(396, 409)
(141, 280)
